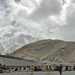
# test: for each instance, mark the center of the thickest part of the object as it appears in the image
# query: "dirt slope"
(51, 50)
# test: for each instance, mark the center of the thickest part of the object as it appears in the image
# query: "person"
(1, 71)
(32, 69)
(60, 69)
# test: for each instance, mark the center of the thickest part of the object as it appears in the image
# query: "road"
(39, 73)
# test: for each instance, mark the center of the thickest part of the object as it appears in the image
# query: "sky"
(45, 19)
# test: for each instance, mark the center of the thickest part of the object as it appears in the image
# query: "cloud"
(39, 18)
(67, 32)
(46, 8)
(63, 1)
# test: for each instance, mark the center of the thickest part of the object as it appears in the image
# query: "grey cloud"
(4, 4)
(46, 8)
(67, 32)
(72, 1)
(63, 1)
(71, 17)
(17, 1)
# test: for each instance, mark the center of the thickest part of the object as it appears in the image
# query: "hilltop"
(49, 50)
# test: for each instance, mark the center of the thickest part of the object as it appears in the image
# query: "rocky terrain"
(48, 50)
(16, 42)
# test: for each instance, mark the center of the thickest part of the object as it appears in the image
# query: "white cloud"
(41, 18)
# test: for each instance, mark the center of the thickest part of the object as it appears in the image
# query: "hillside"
(50, 50)
(16, 42)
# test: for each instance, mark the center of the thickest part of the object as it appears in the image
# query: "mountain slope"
(51, 50)
(15, 43)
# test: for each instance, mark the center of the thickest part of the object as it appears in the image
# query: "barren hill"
(50, 50)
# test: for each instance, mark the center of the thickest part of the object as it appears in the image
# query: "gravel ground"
(40, 73)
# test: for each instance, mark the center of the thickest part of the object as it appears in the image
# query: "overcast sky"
(45, 19)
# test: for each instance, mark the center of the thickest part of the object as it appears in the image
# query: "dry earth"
(50, 50)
